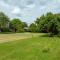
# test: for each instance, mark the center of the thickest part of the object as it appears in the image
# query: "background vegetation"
(49, 23)
(14, 25)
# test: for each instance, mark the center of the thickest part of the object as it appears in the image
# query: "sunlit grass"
(16, 36)
(35, 48)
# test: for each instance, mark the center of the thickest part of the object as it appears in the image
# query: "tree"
(49, 23)
(4, 21)
(40, 23)
(24, 24)
(32, 28)
(16, 25)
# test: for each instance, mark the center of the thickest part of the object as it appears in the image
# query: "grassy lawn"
(4, 37)
(34, 48)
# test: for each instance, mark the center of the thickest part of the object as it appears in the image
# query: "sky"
(29, 10)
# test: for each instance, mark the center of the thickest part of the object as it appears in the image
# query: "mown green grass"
(37, 48)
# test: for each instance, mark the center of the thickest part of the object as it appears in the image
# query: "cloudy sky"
(29, 10)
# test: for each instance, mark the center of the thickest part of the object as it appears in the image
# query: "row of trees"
(14, 25)
(49, 23)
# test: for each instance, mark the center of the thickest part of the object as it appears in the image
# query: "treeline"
(14, 25)
(48, 23)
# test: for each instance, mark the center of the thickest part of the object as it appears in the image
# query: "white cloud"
(16, 10)
(30, 6)
(29, 10)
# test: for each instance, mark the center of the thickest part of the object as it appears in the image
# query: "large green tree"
(16, 25)
(49, 23)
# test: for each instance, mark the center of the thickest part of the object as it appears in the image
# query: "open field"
(16, 36)
(32, 48)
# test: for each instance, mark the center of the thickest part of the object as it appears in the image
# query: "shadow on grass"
(6, 32)
(46, 50)
(46, 35)
(50, 35)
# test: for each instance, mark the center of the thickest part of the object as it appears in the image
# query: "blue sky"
(29, 10)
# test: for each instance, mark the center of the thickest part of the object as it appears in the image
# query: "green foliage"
(5, 30)
(14, 25)
(4, 21)
(32, 28)
(17, 25)
(49, 23)
(24, 24)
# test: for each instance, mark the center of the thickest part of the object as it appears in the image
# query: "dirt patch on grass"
(16, 36)
(12, 37)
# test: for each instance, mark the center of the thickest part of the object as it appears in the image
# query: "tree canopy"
(32, 27)
(14, 25)
(4, 21)
(17, 25)
(49, 23)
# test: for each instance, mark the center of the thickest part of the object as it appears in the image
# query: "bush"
(20, 30)
(5, 30)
